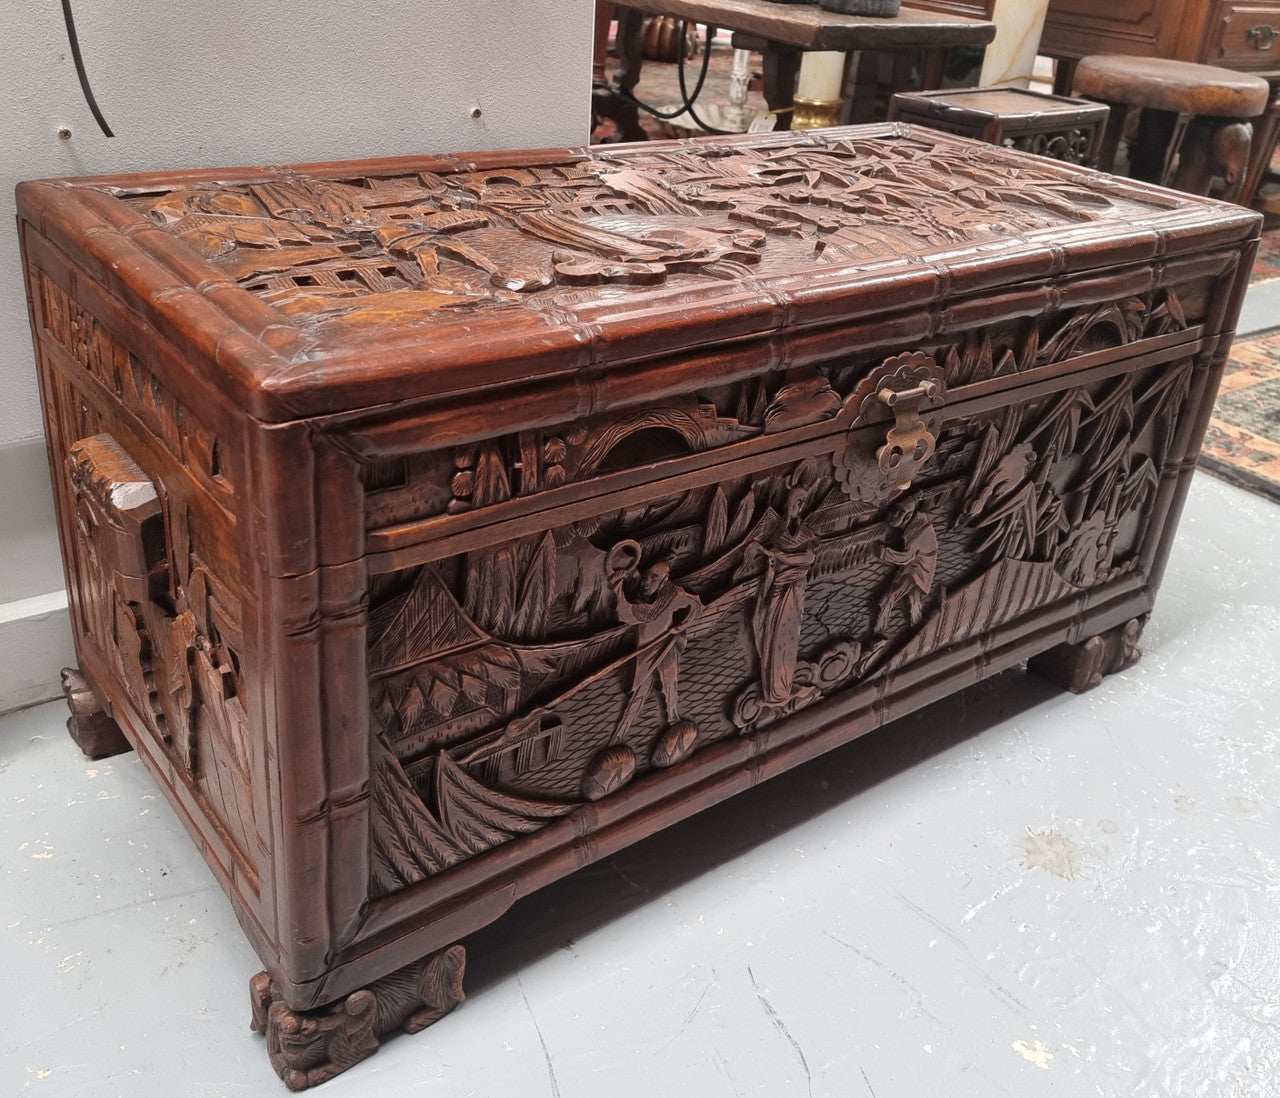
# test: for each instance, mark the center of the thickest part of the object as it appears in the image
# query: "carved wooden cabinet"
(435, 526)
(1233, 34)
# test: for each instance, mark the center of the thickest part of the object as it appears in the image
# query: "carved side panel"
(213, 464)
(512, 683)
(148, 600)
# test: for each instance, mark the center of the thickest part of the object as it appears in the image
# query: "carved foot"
(95, 733)
(1081, 667)
(310, 1046)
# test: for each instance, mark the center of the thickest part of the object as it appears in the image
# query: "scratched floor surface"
(1015, 892)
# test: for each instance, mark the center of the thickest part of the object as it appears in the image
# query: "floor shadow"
(610, 889)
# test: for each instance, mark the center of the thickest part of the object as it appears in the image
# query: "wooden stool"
(1050, 125)
(1214, 142)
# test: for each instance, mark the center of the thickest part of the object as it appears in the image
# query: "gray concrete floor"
(1014, 892)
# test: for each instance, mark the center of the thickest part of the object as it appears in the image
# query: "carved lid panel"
(397, 279)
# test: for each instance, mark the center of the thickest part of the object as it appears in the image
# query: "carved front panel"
(432, 488)
(513, 682)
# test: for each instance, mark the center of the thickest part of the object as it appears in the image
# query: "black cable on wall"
(79, 61)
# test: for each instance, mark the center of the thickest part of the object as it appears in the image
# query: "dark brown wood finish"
(1219, 105)
(1047, 125)
(436, 526)
(808, 27)
(1233, 34)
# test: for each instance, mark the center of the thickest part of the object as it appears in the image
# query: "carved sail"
(411, 843)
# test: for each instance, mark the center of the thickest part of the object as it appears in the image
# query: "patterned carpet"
(1243, 442)
(1266, 267)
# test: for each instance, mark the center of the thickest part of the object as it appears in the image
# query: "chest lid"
(326, 288)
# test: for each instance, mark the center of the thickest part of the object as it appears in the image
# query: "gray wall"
(192, 83)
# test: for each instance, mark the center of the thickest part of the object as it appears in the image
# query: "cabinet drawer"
(1245, 36)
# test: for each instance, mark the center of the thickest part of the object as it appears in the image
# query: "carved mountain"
(426, 621)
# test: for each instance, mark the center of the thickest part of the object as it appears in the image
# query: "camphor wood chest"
(435, 526)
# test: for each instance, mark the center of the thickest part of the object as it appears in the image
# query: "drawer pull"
(1263, 36)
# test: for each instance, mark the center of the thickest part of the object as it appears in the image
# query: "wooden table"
(1232, 34)
(782, 32)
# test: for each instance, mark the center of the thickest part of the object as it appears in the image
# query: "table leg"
(781, 65)
(1064, 74)
(600, 42)
(735, 114)
(1266, 129)
(933, 66)
(614, 100)
(1112, 135)
(1214, 147)
(1151, 149)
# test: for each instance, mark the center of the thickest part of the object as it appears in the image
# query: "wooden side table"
(1048, 125)
(1216, 107)
(785, 30)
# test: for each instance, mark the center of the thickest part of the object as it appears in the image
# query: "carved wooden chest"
(436, 526)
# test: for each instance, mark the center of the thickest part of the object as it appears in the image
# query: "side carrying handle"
(120, 516)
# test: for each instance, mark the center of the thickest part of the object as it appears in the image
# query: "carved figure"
(181, 638)
(779, 608)
(661, 611)
(916, 560)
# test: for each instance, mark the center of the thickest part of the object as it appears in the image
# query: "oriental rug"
(1243, 441)
(1266, 268)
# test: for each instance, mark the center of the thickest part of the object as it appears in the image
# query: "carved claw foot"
(95, 733)
(307, 1047)
(1081, 667)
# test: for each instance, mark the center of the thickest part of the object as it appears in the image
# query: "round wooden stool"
(1213, 142)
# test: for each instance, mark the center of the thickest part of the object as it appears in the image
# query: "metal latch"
(909, 442)
(910, 388)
